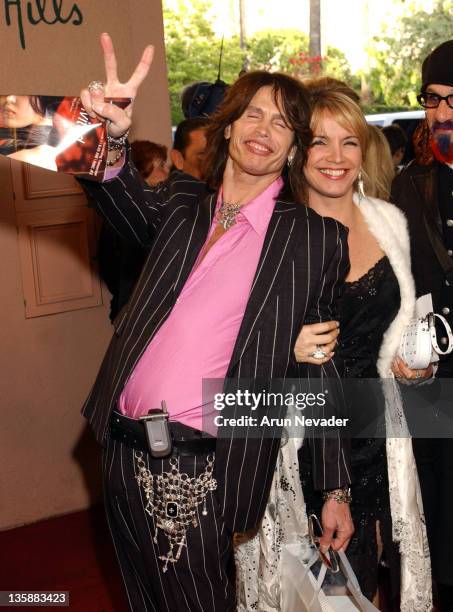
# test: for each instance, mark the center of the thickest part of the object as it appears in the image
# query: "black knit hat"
(438, 66)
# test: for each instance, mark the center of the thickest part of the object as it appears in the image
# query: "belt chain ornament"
(173, 499)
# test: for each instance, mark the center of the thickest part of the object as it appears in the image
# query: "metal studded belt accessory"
(173, 499)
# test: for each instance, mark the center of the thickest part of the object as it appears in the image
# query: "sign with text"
(22, 13)
(51, 47)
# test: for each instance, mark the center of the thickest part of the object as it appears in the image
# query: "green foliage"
(396, 61)
(273, 49)
(192, 51)
(336, 65)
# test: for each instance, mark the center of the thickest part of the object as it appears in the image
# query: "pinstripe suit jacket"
(302, 264)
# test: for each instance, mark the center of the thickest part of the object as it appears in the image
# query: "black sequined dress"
(367, 307)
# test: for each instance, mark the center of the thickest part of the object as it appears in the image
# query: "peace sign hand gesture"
(93, 97)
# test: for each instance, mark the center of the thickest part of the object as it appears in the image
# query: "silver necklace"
(226, 215)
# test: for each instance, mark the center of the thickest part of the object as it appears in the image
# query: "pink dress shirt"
(196, 342)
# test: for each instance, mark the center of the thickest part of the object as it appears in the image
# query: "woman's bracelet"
(342, 495)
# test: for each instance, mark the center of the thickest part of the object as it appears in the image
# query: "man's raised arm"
(131, 207)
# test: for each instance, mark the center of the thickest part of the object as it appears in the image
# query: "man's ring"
(417, 374)
(319, 353)
(96, 86)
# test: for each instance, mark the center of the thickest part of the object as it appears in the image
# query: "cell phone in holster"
(158, 431)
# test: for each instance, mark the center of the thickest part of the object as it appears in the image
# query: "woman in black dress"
(376, 303)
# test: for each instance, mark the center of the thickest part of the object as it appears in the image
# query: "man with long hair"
(424, 190)
(237, 264)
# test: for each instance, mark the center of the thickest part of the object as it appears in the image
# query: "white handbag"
(303, 591)
(419, 346)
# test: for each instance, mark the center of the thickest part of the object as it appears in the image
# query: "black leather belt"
(186, 440)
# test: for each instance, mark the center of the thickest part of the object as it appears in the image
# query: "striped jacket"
(301, 267)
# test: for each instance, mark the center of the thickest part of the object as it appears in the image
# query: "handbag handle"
(342, 564)
(432, 330)
(330, 561)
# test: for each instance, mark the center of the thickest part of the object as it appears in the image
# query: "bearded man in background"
(424, 190)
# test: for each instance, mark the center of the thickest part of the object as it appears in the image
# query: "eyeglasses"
(432, 100)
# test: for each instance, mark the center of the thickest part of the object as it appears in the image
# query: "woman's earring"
(360, 186)
(290, 159)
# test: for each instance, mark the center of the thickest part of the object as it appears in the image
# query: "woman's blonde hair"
(335, 98)
(378, 166)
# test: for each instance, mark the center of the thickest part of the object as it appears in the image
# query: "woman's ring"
(96, 86)
(417, 374)
(319, 353)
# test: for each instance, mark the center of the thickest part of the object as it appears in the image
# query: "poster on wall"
(54, 133)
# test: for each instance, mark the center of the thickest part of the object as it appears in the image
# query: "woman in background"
(150, 159)
(380, 168)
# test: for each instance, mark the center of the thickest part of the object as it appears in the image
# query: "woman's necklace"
(226, 215)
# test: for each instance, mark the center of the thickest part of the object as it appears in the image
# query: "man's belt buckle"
(157, 431)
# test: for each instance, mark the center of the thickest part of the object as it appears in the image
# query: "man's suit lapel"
(280, 241)
(200, 224)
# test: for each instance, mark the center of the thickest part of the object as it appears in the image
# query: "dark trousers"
(435, 467)
(202, 579)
